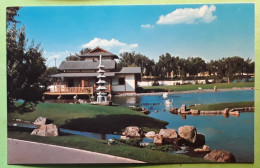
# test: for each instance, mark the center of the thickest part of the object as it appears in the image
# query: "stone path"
(26, 152)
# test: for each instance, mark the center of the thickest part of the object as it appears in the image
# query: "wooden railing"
(61, 90)
(58, 90)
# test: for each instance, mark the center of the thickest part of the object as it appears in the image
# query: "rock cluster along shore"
(44, 129)
(141, 109)
(226, 111)
(186, 136)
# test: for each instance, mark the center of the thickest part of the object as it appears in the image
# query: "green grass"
(178, 88)
(221, 106)
(86, 117)
(101, 146)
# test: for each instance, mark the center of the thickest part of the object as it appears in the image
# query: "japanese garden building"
(80, 77)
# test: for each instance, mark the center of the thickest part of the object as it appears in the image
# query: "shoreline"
(186, 92)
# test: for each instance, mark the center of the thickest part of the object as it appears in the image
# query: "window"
(121, 81)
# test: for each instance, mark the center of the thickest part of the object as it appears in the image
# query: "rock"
(194, 111)
(236, 113)
(40, 121)
(158, 139)
(46, 130)
(174, 110)
(188, 133)
(132, 131)
(124, 137)
(225, 111)
(150, 134)
(220, 156)
(169, 135)
(182, 109)
(200, 140)
(147, 112)
(205, 148)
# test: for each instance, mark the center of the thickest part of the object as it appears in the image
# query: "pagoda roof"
(97, 52)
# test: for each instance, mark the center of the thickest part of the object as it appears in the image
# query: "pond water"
(234, 134)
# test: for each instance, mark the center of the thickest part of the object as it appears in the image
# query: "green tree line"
(181, 67)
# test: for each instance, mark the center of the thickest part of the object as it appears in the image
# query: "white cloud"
(147, 26)
(189, 15)
(59, 56)
(109, 44)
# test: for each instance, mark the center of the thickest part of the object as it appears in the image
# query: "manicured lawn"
(101, 146)
(178, 88)
(221, 106)
(86, 117)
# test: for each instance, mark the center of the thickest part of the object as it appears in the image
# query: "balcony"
(63, 90)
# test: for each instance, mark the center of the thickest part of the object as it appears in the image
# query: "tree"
(195, 65)
(51, 71)
(72, 58)
(132, 59)
(249, 66)
(166, 65)
(76, 57)
(25, 70)
(11, 12)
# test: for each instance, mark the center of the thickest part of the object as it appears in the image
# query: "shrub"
(131, 142)
(163, 148)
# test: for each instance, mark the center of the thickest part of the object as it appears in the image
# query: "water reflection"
(127, 100)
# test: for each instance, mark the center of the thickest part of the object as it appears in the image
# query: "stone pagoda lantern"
(101, 95)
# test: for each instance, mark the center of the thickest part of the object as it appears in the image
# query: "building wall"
(129, 85)
(130, 82)
(166, 83)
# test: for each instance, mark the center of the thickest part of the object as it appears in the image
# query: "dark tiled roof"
(88, 64)
(130, 70)
(97, 52)
(81, 74)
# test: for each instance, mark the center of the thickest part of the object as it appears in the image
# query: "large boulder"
(150, 134)
(132, 131)
(40, 121)
(158, 140)
(220, 156)
(169, 135)
(189, 133)
(46, 130)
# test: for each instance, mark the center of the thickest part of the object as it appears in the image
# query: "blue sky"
(210, 31)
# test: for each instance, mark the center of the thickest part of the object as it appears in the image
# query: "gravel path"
(27, 152)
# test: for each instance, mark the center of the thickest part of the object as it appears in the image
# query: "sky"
(209, 31)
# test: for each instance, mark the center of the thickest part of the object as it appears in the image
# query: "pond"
(234, 134)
